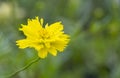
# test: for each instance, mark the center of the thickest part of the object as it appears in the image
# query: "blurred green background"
(94, 49)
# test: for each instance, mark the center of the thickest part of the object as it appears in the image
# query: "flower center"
(44, 34)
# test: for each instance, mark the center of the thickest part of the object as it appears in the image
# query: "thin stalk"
(23, 68)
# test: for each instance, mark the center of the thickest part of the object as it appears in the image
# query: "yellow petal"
(55, 27)
(41, 21)
(24, 43)
(53, 51)
(38, 47)
(59, 44)
(46, 25)
(47, 45)
(42, 53)
(29, 32)
(34, 23)
(32, 29)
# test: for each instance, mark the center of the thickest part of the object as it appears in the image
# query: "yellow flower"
(48, 39)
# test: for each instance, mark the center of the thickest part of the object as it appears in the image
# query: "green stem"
(23, 68)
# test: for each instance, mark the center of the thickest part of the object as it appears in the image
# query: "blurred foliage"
(94, 50)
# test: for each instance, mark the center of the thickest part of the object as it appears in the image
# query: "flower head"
(48, 39)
